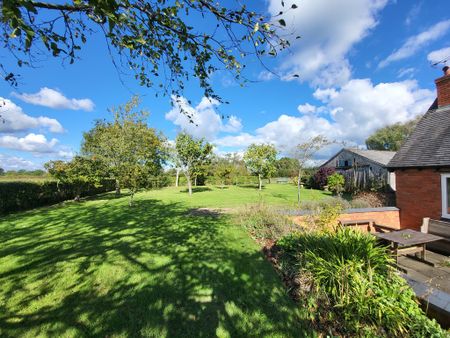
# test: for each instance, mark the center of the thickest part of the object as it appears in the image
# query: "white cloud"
(352, 114)
(51, 98)
(66, 154)
(406, 72)
(439, 55)
(233, 125)
(35, 143)
(15, 163)
(413, 13)
(306, 108)
(241, 140)
(14, 119)
(414, 43)
(360, 107)
(328, 30)
(265, 76)
(202, 120)
(325, 95)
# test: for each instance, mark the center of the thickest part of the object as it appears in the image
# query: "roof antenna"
(443, 61)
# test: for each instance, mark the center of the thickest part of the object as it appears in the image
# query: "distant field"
(20, 178)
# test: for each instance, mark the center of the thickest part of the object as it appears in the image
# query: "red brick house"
(422, 165)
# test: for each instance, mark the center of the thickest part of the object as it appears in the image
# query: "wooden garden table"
(408, 241)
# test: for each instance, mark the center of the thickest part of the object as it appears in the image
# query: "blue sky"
(363, 64)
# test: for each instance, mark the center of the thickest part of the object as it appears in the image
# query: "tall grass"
(264, 222)
(352, 287)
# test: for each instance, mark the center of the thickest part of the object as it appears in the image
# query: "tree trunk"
(195, 181)
(260, 181)
(178, 177)
(117, 188)
(299, 183)
(189, 185)
(77, 195)
(130, 203)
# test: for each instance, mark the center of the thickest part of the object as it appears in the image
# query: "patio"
(430, 283)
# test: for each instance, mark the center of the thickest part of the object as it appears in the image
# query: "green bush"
(336, 183)
(16, 196)
(157, 182)
(349, 286)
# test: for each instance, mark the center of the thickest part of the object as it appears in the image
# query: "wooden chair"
(438, 228)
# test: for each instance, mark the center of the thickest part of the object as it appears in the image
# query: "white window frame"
(444, 188)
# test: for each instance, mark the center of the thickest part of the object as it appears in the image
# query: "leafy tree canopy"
(80, 171)
(223, 168)
(126, 146)
(287, 167)
(192, 155)
(163, 42)
(391, 137)
(260, 160)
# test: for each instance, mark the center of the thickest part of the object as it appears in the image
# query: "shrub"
(264, 222)
(349, 286)
(156, 182)
(321, 177)
(336, 183)
(15, 196)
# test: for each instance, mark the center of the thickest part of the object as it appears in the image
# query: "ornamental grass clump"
(352, 288)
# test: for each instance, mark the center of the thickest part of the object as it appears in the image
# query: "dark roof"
(381, 157)
(429, 143)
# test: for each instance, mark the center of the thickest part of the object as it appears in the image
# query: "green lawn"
(234, 196)
(101, 268)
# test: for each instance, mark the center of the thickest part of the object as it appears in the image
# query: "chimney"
(443, 88)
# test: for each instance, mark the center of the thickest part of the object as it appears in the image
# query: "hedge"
(16, 196)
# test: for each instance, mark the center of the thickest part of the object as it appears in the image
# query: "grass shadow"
(251, 186)
(99, 268)
(196, 189)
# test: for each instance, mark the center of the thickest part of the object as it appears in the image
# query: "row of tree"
(131, 153)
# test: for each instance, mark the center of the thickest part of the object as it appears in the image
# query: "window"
(445, 188)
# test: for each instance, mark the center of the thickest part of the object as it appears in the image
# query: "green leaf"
(256, 28)
(282, 22)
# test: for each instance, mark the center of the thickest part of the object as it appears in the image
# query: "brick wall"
(383, 216)
(443, 90)
(418, 195)
(388, 216)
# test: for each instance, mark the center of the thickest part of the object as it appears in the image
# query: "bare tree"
(304, 153)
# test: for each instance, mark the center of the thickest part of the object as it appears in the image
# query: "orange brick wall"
(418, 195)
(390, 218)
(443, 90)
